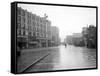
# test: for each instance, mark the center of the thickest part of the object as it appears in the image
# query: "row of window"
(29, 28)
(30, 22)
(23, 13)
(25, 22)
(26, 33)
(22, 23)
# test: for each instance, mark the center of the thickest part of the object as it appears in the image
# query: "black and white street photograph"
(52, 37)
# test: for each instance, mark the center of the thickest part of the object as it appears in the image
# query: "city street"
(70, 57)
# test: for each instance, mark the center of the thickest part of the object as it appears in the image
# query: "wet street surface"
(64, 58)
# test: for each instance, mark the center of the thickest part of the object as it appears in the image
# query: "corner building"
(32, 30)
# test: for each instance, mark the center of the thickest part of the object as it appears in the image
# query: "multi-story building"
(33, 30)
(55, 36)
(22, 32)
(75, 39)
(89, 35)
(85, 35)
(69, 39)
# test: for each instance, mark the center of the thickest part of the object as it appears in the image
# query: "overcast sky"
(68, 19)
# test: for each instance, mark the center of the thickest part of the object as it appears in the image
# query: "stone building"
(74, 39)
(55, 36)
(34, 31)
(90, 36)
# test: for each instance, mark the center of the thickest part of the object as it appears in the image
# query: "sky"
(69, 20)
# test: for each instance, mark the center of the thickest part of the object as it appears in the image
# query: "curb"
(36, 61)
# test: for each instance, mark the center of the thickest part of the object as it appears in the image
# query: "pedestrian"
(65, 45)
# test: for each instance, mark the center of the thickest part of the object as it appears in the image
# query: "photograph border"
(14, 35)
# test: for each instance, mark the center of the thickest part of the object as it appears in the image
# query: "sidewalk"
(37, 49)
(31, 56)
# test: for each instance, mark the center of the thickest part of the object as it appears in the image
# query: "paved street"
(70, 57)
(29, 56)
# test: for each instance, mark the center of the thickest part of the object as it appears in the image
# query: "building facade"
(89, 35)
(55, 36)
(75, 39)
(33, 31)
(85, 35)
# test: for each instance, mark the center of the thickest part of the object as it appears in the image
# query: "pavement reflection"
(69, 57)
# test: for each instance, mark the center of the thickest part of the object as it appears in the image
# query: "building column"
(46, 43)
(40, 43)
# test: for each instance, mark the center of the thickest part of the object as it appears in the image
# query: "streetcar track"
(35, 62)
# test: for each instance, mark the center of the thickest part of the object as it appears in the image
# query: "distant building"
(85, 34)
(77, 35)
(75, 39)
(55, 36)
(69, 39)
